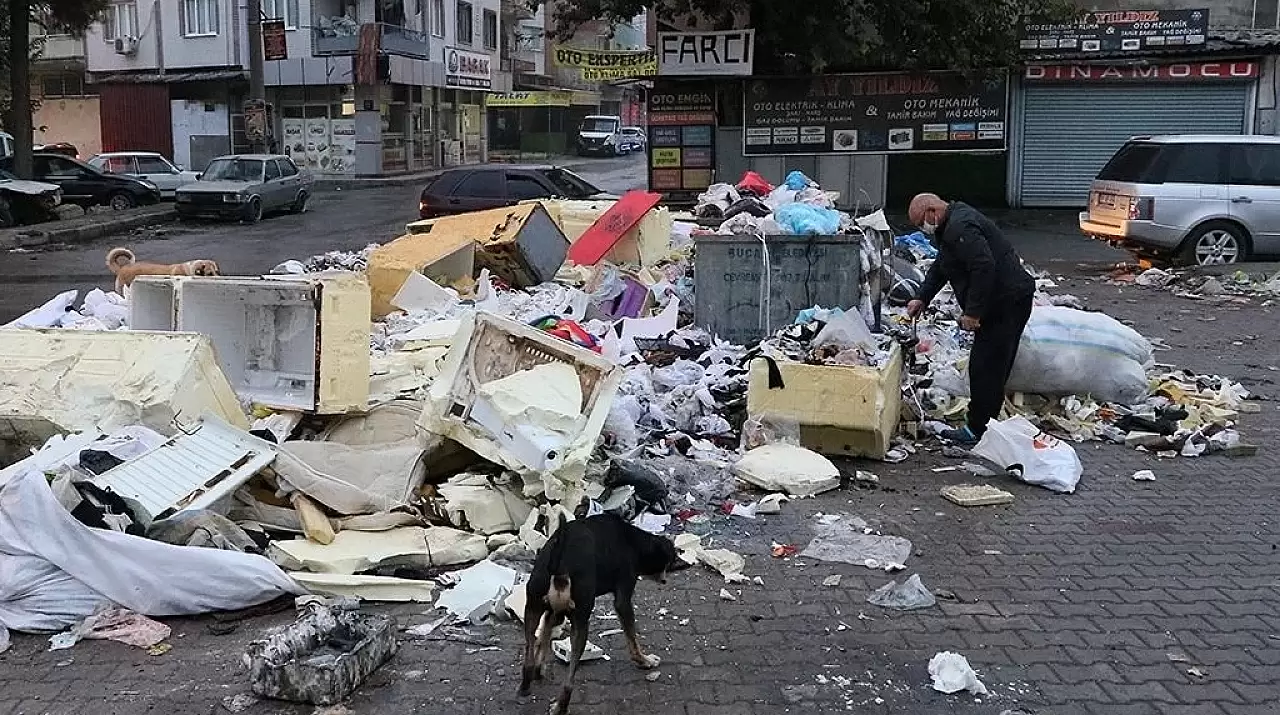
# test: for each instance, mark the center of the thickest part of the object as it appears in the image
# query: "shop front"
(528, 125)
(1070, 118)
(468, 77)
(317, 128)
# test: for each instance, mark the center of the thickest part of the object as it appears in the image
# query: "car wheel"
(253, 210)
(1216, 243)
(300, 204)
(122, 201)
(6, 216)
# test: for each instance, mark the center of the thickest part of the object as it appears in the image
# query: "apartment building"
(368, 87)
(68, 108)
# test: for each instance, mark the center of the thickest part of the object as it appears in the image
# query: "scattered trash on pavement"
(976, 495)
(1144, 475)
(910, 595)
(951, 673)
(848, 539)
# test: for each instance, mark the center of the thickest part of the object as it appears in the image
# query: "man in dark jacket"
(995, 295)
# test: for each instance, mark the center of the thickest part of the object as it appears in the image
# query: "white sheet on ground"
(55, 571)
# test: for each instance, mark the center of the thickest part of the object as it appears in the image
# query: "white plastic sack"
(845, 331)
(55, 571)
(1037, 457)
(1073, 352)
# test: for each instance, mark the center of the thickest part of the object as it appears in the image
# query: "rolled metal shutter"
(1070, 131)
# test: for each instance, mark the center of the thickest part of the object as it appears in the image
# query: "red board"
(604, 234)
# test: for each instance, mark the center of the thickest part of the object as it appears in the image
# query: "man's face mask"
(928, 227)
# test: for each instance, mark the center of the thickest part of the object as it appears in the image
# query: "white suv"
(146, 165)
(1203, 199)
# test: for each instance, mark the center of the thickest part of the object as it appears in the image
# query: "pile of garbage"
(1194, 284)
(365, 424)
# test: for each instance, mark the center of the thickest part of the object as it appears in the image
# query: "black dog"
(584, 559)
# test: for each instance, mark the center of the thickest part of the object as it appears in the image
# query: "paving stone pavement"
(1125, 598)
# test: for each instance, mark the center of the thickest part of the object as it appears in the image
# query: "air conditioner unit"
(126, 45)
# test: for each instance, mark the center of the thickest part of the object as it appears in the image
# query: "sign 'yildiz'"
(1117, 31)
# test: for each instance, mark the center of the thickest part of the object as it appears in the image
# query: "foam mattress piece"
(354, 551)
(60, 381)
(787, 468)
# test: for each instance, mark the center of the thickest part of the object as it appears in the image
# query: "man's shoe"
(962, 436)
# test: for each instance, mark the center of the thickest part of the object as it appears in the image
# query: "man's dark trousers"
(995, 345)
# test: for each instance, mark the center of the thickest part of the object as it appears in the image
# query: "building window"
(286, 10)
(65, 85)
(437, 18)
(199, 18)
(120, 20)
(490, 29)
(466, 24)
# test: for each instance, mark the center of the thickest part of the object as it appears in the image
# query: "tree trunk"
(20, 85)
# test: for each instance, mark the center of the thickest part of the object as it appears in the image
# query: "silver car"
(246, 186)
(1202, 199)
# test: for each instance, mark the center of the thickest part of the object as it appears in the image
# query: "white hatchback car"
(1203, 199)
(146, 165)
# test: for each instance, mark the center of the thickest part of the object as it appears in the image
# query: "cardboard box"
(59, 381)
(647, 243)
(296, 343)
(442, 256)
(846, 411)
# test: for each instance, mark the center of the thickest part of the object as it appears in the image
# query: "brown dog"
(122, 263)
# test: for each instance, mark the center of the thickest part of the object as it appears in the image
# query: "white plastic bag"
(1036, 457)
(846, 330)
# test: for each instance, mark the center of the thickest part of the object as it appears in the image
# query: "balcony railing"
(344, 39)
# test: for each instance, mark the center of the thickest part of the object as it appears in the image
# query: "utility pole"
(19, 124)
(256, 108)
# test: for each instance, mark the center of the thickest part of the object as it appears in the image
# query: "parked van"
(1203, 199)
(6, 144)
(600, 134)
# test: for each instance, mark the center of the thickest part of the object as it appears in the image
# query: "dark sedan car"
(86, 187)
(489, 187)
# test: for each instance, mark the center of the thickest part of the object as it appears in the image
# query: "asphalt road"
(351, 219)
(337, 220)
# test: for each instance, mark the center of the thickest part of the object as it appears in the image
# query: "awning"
(171, 77)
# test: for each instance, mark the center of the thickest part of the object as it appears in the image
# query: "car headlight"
(179, 196)
(150, 186)
(231, 198)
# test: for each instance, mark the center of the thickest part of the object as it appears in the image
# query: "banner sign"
(894, 112)
(530, 99)
(463, 68)
(600, 65)
(1177, 72)
(1118, 31)
(275, 45)
(682, 128)
(729, 52)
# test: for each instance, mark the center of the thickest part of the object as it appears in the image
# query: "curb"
(67, 232)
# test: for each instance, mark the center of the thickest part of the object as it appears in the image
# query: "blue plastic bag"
(796, 180)
(917, 243)
(803, 219)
